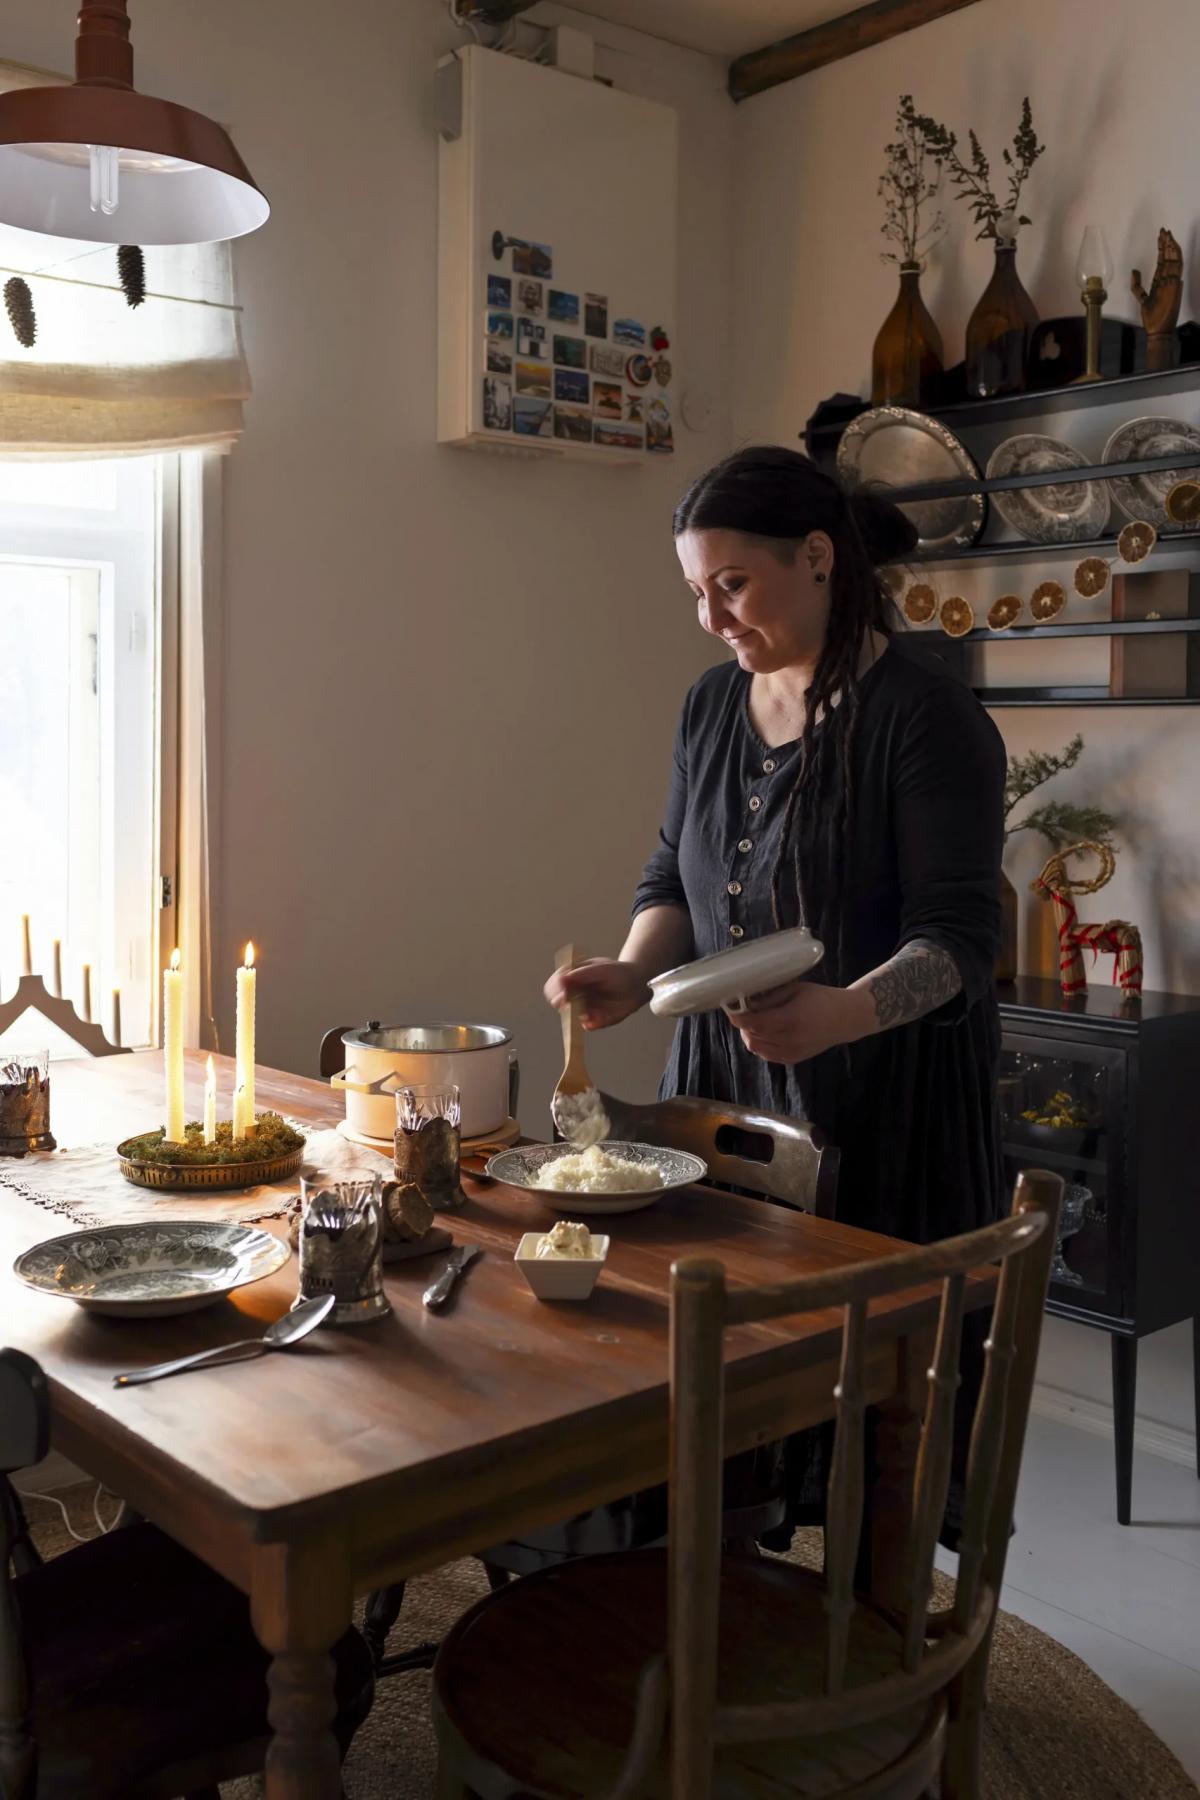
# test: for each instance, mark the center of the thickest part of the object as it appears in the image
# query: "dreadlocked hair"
(780, 496)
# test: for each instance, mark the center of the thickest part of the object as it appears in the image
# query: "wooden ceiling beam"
(845, 36)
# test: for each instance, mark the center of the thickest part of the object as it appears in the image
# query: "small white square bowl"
(560, 1277)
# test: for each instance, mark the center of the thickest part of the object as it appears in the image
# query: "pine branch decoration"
(131, 267)
(18, 302)
(1062, 822)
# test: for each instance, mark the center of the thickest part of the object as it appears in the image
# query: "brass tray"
(211, 1178)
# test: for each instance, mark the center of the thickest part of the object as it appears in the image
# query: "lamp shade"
(101, 162)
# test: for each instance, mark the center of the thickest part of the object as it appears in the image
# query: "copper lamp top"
(178, 177)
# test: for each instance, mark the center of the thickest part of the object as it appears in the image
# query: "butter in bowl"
(563, 1263)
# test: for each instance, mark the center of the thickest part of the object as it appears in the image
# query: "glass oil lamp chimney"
(1093, 268)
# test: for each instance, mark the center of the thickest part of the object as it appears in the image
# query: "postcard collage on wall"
(558, 365)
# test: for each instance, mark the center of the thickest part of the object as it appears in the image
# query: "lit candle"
(57, 958)
(243, 1078)
(115, 1034)
(85, 976)
(173, 1048)
(239, 1113)
(26, 946)
(210, 1103)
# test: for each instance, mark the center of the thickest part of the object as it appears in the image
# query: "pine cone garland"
(18, 302)
(131, 267)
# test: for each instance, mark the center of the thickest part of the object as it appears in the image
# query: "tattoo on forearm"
(919, 978)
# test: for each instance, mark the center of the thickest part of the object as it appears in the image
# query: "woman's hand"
(608, 990)
(813, 1018)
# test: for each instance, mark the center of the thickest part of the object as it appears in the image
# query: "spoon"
(284, 1332)
(576, 1106)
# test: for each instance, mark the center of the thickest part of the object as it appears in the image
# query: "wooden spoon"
(576, 1106)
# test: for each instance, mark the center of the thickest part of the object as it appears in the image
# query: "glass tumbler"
(427, 1143)
(24, 1102)
(341, 1246)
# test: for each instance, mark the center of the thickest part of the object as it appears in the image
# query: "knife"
(438, 1294)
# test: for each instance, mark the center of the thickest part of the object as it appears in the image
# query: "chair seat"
(143, 1663)
(534, 1689)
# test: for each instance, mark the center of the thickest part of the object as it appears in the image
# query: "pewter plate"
(892, 447)
(1063, 513)
(517, 1168)
(148, 1271)
(1144, 496)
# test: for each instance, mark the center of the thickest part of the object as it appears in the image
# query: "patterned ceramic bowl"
(149, 1270)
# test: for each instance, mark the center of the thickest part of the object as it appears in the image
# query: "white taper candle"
(243, 1079)
(173, 1048)
(210, 1103)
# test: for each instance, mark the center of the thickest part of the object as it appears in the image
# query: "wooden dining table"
(369, 1454)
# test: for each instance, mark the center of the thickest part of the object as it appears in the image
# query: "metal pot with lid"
(370, 1062)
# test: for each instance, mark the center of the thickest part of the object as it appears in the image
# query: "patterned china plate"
(1064, 512)
(518, 1168)
(1145, 496)
(149, 1270)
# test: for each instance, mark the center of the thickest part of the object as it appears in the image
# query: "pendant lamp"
(99, 161)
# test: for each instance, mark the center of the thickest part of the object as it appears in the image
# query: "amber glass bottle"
(908, 350)
(999, 329)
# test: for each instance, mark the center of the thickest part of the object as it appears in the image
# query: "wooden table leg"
(300, 1603)
(898, 1438)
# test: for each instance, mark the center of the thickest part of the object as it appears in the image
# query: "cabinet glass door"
(1063, 1108)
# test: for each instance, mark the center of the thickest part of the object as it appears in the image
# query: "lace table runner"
(84, 1186)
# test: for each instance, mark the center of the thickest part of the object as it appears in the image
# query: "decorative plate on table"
(147, 1271)
(519, 1168)
(1059, 514)
(892, 447)
(731, 976)
(1145, 496)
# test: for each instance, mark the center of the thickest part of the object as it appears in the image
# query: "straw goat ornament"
(1116, 937)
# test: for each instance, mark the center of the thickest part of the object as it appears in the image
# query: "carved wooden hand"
(1160, 307)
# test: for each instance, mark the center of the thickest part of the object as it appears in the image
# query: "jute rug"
(1054, 1730)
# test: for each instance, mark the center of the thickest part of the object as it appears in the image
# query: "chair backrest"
(758, 1152)
(32, 995)
(24, 1440)
(701, 1309)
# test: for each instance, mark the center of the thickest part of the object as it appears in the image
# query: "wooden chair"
(128, 1669)
(767, 1154)
(763, 1153)
(774, 1680)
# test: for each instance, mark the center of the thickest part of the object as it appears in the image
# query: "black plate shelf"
(1174, 549)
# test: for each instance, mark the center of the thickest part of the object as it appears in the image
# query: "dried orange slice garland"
(1091, 577)
(1137, 541)
(1005, 611)
(1047, 601)
(920, 603)
(956, 616)
(1182, 504)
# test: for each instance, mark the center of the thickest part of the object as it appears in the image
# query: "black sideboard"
(1131, 1071)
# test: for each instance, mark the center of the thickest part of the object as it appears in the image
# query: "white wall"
(1113, 99)
(450, 679)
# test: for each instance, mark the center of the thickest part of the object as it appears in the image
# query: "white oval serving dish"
(731, 977)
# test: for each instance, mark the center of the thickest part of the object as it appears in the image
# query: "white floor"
(1125, 1598)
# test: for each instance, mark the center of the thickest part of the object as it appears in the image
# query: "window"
(84, 700)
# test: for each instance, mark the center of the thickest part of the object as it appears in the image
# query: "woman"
(826, 777)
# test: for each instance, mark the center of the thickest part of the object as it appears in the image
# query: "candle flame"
(210, 1071)
(174, 959)
(248, 961)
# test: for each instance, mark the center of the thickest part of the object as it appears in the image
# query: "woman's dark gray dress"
(913, 1110)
